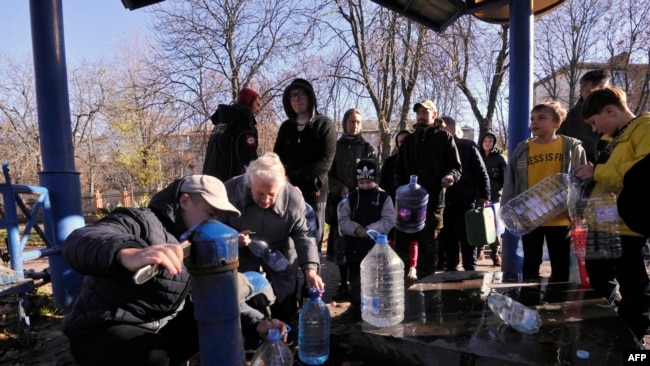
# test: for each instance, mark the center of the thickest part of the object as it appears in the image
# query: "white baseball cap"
(211, 190)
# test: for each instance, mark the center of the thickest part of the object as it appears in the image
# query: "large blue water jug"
(411, 206)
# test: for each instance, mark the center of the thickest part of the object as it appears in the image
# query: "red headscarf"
(246, 97)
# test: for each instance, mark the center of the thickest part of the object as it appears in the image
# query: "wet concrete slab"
(447, 322)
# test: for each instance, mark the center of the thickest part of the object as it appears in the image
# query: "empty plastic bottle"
(515, 314)
(411, 206)
(539, 203)
(312, 222)
(382, 285)
(273, 352)
(314, 330)
(599, 215)
(272, 258)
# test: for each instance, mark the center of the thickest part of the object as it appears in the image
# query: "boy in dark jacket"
(367, 208)
(117, 322)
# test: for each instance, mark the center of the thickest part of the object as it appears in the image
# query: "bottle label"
(606, 213)
(409, 216)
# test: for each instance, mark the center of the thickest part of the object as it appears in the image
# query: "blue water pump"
(213, 263)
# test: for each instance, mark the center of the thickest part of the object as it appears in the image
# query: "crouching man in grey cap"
(117, 322)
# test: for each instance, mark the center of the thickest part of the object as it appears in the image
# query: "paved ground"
(50, 346)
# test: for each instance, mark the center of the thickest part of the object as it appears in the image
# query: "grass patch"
(33, 239)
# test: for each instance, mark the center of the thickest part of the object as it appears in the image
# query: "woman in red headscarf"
(233, 143)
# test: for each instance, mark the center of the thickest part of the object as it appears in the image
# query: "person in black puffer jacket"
(472, 190)
(495, 164)
(116, 322)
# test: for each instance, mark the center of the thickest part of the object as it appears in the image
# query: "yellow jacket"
(632, 146)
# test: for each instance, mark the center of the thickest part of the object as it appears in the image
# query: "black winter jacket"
(495, 164)
(233, 142)
(308, 154)
(474, 182)
(430, 154)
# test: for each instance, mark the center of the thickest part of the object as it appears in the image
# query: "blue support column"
(520, 104)
(59, 175)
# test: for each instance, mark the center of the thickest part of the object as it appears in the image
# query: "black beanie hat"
(367, 169)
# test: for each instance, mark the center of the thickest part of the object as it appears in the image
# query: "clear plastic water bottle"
(272, 258)
(273, 352)
(411, 206)
(382, 285)
(600, 216)
(515, 314)
(344, 199)
(539, 203)
(312, 222)
(314, 330)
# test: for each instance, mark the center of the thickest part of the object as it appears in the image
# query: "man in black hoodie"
(306, 144)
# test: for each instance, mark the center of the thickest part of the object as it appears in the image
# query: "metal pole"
(59, 175)
(519, 106)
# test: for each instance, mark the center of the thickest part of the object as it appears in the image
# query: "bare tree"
(565, 40)
(19, 130)
(474, 56)
(140, 120)
(87, 93)
(627, 46)
(382, 55)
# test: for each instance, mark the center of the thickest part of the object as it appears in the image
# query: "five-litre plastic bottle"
(314, 330)
(344, 199)
(273, 352)
(600, 216)
(514, 313)
(539, 203)
(411, 206)
(382, 285)
(312, 222)
(272, 258)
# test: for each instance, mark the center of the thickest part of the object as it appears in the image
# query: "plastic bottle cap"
(582, 354)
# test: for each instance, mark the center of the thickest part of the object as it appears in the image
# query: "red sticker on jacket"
(250, 140)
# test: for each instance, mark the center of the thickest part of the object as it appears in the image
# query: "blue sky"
(90, 27)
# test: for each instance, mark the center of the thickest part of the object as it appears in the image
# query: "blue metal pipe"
(59, 175)
(519, 106)
(212, 264)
